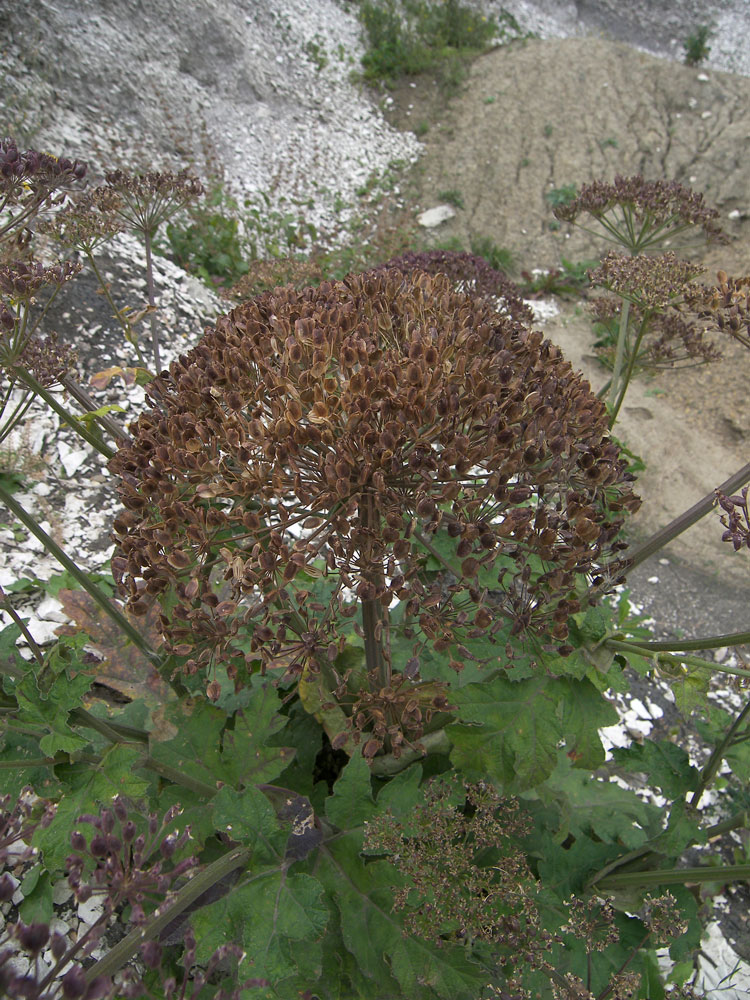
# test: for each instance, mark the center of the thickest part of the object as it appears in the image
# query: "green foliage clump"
(561, 196)
(416, 36)
(219, 238)
(696, 45)
(498, 257)
(571, 279)
(208, 242)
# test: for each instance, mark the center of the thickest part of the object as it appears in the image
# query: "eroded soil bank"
(541, 115)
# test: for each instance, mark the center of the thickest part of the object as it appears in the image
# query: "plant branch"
(196, 887)
(115, 429)
(152, 299)
(38, 655)
(686, 519)
(673, 658)
(619, 352)
(675, 876)
(82, 578)
(717, 755)
(49, 398)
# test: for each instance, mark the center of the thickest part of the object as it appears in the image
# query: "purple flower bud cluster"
(736, 519)
(41, 168)
(123, 864)
(22, 279)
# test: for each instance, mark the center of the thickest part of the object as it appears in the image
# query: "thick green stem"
(713, 763)
(687, 519)
(675, 876)
(435, 742)
(200, 883)
(678, 645)
(54, 404)
(674, 659)
(152, 300)
(628, 374)
(82, 578)
(620, 350)
(179, 777)
(736, 822)
(112, 731)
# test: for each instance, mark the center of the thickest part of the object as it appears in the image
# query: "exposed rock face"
(259, 90)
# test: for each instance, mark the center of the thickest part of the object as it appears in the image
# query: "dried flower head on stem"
(328, 435)
(642, 215)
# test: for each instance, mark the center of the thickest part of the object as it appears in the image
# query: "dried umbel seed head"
(651, 283)
(446, 891)
(469, 273)
(663, 918)
(396, 715)
(144, 201)
(19, 819)
(325, 432)
(265, 274)
(724, 305)
(86, 224)
(122, 867)
(592, 921)
(48, 361)
(668, 206)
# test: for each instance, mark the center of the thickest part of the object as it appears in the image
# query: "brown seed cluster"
(322, 433)
(469, 273)
(86, 224)
(37, 169)
(651, 283)
(144, 201)
(20, 283)
(736, 518)
(725, 305)
(662, 203)
(21, 280)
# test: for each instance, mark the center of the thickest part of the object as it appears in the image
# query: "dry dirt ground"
(544, 114)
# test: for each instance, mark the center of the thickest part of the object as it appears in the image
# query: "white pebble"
(640, 709)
